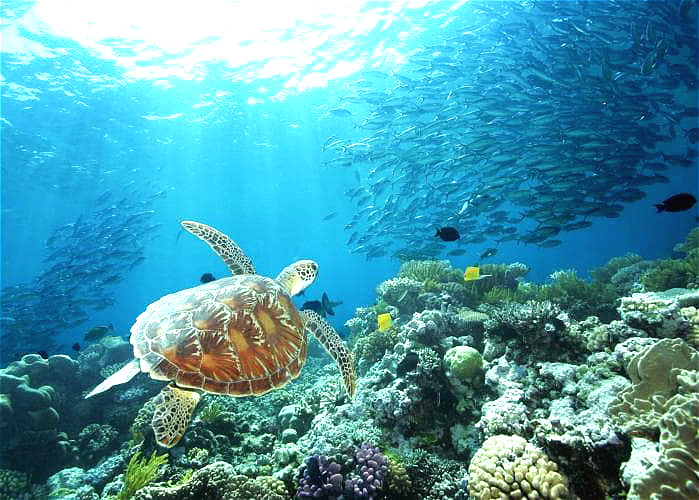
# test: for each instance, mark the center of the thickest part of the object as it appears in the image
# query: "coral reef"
(140, 472)
(577, 388)
(361, 479)
(12, 483)
(662, 404)
(217, 481)
(508, 467)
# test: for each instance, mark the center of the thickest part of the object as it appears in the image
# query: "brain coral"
(508, 467)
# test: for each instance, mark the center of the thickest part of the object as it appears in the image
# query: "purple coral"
(322, 479)
(372, 470)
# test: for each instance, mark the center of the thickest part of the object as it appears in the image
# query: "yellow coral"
(271, 485)
(692, 315)
(398, 482)
(509, 468)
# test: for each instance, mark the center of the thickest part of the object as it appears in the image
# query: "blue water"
(223, 112)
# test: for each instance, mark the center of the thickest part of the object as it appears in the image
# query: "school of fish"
(527, 121)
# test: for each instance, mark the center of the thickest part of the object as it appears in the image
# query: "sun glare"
(302, 41)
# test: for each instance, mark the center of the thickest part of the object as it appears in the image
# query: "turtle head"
(297, 276)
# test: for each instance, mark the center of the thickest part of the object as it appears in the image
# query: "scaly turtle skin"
(238, 336)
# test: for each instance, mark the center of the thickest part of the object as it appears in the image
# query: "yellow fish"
(384, 321)
(472, 273)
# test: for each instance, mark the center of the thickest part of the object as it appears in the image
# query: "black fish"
(43, 354)
(448, 234)
(207, 278)
(76, 347)
(489, 253)
(677, 203)
(97, 332)
(323, 307)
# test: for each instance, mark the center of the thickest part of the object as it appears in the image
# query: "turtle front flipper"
(337, 349)
(173, 411)
(223, 245)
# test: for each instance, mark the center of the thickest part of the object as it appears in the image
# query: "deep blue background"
(254, 171)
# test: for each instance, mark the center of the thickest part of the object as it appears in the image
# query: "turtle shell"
(240, 336)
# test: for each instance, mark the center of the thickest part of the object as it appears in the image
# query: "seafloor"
(491, 388)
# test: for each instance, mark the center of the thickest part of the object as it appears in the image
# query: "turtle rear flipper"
(126, 373)
(173, 411)
(332, 342)
(223, 245)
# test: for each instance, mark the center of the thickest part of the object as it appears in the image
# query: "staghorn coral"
(508, 467)
(531, 330)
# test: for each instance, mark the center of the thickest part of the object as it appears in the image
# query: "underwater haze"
(371, 137)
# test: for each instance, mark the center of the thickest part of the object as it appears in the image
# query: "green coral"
(211, 413)
(463, 362)
(497, 295)
(139, 473)
(12, 483)
(690, 244)
(439, 271)
(398, 482)
(606, 272)
(672, 273)
(676, 273)
(370, 347)
(431, 285)
(580, 298)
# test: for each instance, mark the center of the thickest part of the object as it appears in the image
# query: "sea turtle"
(239, 336)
